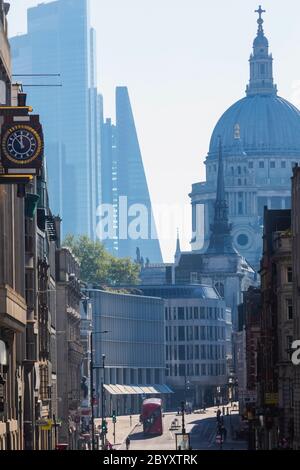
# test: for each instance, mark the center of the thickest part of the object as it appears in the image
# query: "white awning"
(160, 389)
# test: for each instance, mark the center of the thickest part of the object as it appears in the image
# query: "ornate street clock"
(21, 144)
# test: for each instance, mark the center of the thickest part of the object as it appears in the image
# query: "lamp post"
(92, 367)
(103, 404)
(182, 415)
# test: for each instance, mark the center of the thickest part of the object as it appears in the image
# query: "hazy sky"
(184, 62)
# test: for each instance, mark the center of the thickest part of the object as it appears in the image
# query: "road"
(202, 428)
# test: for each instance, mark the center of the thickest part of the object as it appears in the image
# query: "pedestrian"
(127, 443)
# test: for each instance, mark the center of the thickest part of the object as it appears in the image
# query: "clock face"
(21, 144)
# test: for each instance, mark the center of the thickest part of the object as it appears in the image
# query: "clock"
(21, 144)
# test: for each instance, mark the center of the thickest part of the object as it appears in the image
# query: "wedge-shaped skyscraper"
(124, 187)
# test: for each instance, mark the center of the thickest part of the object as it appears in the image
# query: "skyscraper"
(60, 41)
(124, 187)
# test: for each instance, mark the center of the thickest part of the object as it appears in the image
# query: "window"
(182, 370)
(261, 164)
(243, 239)
(289, 309)
(166, 313)
(196, 313)
(272, 164)
(239, 170)
(196, 333)
(289, 342)
(220, 288)
(197, 351)
(181, 353)
(232, 170)
(283, 164)
(181, 333)
(240, 208)
(289, 274)
(197, 370)
(190, 333)
(194, 278)
(180, 313)
(203, 351)
(202, 332)
(250, 164)
(167, 333)
(202, 313)
(203, 369)
(262, 69)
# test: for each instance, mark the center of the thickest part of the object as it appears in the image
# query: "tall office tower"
(124, 187)
(60, 41)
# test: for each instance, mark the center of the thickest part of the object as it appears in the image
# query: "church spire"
(220, 239)
(178, 249)
(261, 63)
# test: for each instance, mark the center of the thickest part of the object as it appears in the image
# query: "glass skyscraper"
(60, 41)
(124, 187)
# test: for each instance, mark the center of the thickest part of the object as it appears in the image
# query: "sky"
(184, 63)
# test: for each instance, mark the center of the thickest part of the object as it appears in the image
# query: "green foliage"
(97, 266)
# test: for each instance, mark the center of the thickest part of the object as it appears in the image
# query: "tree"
(97, 266)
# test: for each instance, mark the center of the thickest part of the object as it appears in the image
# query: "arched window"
(3, 354)
(220, 288)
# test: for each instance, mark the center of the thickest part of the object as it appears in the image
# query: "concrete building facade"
(69, 346)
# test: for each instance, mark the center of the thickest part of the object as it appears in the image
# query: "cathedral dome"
(262, 123)
(267, 124)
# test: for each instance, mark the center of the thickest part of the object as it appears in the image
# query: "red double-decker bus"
(151, 416)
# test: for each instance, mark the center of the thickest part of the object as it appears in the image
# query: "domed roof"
(260, 40)
(267, 124)
(262, 123)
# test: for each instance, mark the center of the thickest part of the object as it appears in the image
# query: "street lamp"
(92, 367)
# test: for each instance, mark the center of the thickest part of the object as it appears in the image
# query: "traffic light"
(104, 427)
(114, 416)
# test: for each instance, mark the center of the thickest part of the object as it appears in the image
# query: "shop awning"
(137, 389)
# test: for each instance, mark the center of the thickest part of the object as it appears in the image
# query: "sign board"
(182, 441)
(45, 424)
(271, 398)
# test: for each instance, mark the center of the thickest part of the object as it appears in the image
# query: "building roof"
(266, 123)
(174, 291)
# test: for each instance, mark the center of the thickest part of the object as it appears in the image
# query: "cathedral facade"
(260, 137)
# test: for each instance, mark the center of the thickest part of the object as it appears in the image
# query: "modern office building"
(198, 343)
(60, 41)
(125, 189)
(261, 143)
(134, 349)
